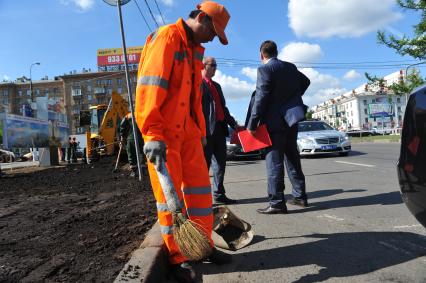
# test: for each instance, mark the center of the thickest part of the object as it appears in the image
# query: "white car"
(317, 137)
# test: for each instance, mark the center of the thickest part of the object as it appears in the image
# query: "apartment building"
(366, 107)
(85, 89)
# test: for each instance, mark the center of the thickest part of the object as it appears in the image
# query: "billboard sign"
(26, 132)
(113, 58)
(379, 110)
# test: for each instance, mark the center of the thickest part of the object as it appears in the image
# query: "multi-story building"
(365, 107)
(65, 95)
(85, 89)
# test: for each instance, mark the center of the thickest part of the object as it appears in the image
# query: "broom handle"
(169, 191)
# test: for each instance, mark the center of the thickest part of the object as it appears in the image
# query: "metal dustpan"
(229, 231)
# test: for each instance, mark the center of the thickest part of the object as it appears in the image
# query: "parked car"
(317, 137)
(360, 133)
(6, 156)
(379, 131)
(236, 151)
(411, 166)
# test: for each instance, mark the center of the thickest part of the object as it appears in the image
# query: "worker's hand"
(155, 152)
(204, 141)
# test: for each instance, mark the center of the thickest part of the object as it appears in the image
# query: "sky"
(332, 41)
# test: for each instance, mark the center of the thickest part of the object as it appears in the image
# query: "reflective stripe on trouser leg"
(164, 216)
(196, 185)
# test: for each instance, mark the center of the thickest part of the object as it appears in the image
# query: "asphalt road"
(357, 228)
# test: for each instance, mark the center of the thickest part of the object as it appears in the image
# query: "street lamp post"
(31, 81)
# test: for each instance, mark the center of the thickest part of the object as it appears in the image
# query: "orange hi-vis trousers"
(188, 170)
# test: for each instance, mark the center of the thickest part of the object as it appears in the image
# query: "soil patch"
(75, 223)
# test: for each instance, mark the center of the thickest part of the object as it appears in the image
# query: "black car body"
(412, 160)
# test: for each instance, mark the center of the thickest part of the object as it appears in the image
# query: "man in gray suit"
(278, 82)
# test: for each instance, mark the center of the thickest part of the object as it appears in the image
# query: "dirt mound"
(75, 223)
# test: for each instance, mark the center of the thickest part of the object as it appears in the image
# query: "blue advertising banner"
(25, 132)
(377, 110)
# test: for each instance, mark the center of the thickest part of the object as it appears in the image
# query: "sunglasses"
(212, 65)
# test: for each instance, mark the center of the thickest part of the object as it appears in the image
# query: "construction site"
(71, 223)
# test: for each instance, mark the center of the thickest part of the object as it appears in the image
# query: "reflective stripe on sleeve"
(198, 56)
(162, 207)
(197, 191)
(168, 230)
(199, 211)
(180, 55)
(153, 81)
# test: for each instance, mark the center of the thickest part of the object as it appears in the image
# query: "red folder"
(258, 141)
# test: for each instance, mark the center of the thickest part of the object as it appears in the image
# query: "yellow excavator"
(102, 139)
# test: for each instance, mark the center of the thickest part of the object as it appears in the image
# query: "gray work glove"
(155, 152)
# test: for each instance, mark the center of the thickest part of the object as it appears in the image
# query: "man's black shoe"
(218, 257)
(299, 202)
(184, 273)
(272, 210)
(224, 200)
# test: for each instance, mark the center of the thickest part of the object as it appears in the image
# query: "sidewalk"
(16, 165)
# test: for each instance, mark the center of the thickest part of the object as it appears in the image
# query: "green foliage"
(412, 80)
(309, 115)
(413, 46)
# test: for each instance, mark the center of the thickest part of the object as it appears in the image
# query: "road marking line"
(407, 226)
(359, 164)
(331, 217)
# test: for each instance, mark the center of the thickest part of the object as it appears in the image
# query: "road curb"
(148, 263)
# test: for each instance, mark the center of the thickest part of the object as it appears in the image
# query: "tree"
(416, 45)
(412, 80)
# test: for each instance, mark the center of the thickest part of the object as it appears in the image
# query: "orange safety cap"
(220, 17)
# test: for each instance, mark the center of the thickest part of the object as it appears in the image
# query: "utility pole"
(119, 3)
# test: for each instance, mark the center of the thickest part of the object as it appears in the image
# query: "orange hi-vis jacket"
(168, 108)
(169, 83)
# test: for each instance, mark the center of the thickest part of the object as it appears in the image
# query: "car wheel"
(344, 153)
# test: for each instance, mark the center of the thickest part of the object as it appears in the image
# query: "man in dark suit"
(277, 83)
(217, 119)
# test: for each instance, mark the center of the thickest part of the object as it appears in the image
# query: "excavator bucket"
(229, 231)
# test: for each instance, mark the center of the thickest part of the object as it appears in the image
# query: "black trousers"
(284, 150)
(215, 154)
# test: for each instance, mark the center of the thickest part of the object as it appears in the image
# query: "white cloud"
(6, 78)
(234, 88)
(322, 88)
(159, 20)
(250, 72)
(83, 5)
(300, 52)
(168, 2)
(348, 18)
(352, 75)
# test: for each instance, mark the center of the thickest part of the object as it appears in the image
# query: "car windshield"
(313, 126)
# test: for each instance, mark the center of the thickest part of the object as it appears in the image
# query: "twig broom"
(189, 236)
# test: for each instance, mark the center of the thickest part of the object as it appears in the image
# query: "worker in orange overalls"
(169, 114)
